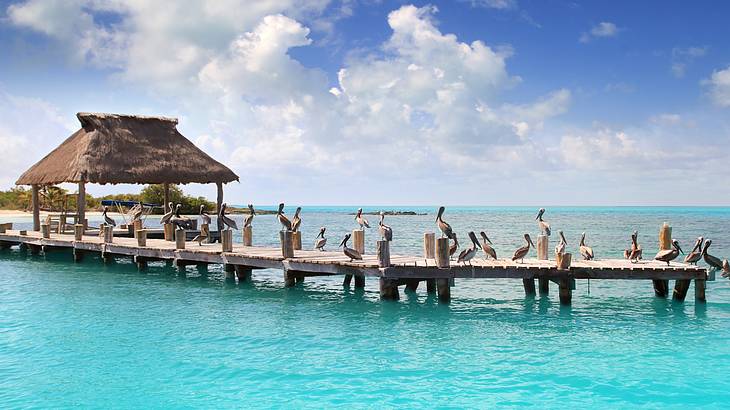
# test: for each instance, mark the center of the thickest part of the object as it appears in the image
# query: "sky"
(347, 102)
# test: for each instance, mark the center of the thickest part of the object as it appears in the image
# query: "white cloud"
(719, 87)
(682, 58)
(603, 29)
(495, 4)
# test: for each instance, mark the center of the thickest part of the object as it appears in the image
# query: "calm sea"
(106, 336)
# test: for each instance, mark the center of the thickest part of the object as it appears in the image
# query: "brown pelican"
(454, 246)
(521, 252)
(386, 232)
(443, 226)
(249, 219)
(320, 241)
(204, 215)
(668, 255)
(107, 219)
(349, 252)
(139, 210)
(635, 251)
(487, 246)
(166, 217)
(296, 220)
(696, 254)
(180, 222)
(586, 251)
(199, 238)
(562, 244)
(228, 223)
(714, 262)
(283, 220)
(361, 220)
(467, 254)
(544, 226)
(725, 268)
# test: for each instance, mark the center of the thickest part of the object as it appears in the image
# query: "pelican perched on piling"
(386, 232)
(487, 246)
(585, 251)
(361, 220)
(522, 251)
(166, 217)
(562, 244)
(696, 254)
(349, 252)
(296, 220)
(248, 220)
(180, 222)
(668, 255)
(204, 216)
(320, 241)
(228, 223)
(107, 219)
(443, 226)
(714, 262)
(283, 220)
(468, 254)
(544, 226)
(634, 254)
(454, 246)
(200, 237)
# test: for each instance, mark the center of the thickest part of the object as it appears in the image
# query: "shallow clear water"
(102, 336)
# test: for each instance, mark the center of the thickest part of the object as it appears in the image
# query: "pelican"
(361, 220)
(320, 241)
(521, 252)
(166, 217)
(108, 220)
(696, 254)
(487, 246)
(725, 268)
(296, 220)
(228, 223)
(199, 238)
(454, 246)
(544, 226)
(137, 215)
(386, 232)
(586, 251)
(467, 254)
(443, 226)
(283, 220)
(349, 252)
(668, 255)
(562, 244)
(635, 252)
(204, 215)
(248, 220)
(714, 262)
(180, 222)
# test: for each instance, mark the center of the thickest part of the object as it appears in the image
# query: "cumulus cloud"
(603, 29)
(719, 87)
(683, 57)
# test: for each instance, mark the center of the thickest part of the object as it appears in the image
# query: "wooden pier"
(392, 271)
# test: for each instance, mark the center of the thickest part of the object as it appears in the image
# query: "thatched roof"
(126, 149)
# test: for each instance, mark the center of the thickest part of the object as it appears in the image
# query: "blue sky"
(374, 102)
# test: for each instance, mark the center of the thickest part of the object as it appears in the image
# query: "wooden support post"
(297, 240)
(141, 235)
(681, 286)
(347, 280)
(81, 203)
(661, 286)
(61, 228)
(442, 253)
(429, 245)
(383, 251)
(165, 197)
(78, 232)
(169, 230)
(180, 239)
(287, 244)
(431, 285)
(45, 231)
(359, 282)
(136, 226)
(36, 208)
(529, 285)
(412, 285)
(108, 234)
(389, 289)
(358, 240)
(443, 286)
(218, 203)
(563, 261)
(227, 240)
(700, 286)
(248, 237)
(566, 293)
(290, 278)
(140, 261)
(78, 254)
(543, 244)
(230, 270)
(180, 265)
(243, 273)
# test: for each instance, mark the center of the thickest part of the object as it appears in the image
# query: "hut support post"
(81, 203)
(218, 203)
(36, 208)
(165, 197)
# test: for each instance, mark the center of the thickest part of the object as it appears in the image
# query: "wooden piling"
(389, 289)
(45, 231)
(529, 285)
(290, 277)
(359, 281)
(78, 255)
(287, 244)
(78, 232)
(542, 245)
(36, 208)
(442, 253)
(563, 260)
(661, 287)
(230, 270)
(681, 286)
(227, 240)
(108, 234)
(358, 240)
(431, 285)
(243, 273)
(61, 228)
(412, 285)
(141, 235)
(566, 293)
(169, 231)
(180, 239)
(443, 286)
(383, 251)
(248, 237)
(700, 286)
(136, 226)
(297, 240)
(429, 245)
(140, 261)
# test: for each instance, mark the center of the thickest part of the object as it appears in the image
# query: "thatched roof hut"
(125, 149)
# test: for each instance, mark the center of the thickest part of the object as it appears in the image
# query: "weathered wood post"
(45, 230)
(165, 197)
(700, 285)
(169, 230)
(78, 254)
(681, 286)
(543, 244)
(566, 292)
(140, 261)
(108, 234)
(81, 203)
(61, 228)
(248, 237)
(287, 244)
(442, 253)
(383, 251)
(136, 226)
(180, 238)
(429, 252)
(297, 240)
(230, 270)
(443, 286)
(227, 240)
(141, 235)
(218, 203)
(243, 273)
(78, 232)
(389, 289)
(358, 244)
(36, 208)
(563, 260)
(661, 286)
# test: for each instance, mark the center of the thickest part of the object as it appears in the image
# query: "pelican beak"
(531, 243)
(680, 249)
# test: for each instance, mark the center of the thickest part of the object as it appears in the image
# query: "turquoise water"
(101, 336)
